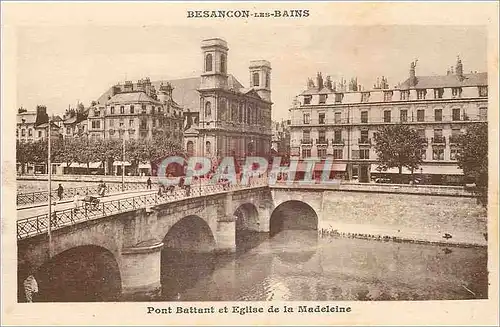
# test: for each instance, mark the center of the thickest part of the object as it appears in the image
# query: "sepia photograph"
(250, 160)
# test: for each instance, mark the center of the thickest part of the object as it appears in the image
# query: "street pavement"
(41, 209)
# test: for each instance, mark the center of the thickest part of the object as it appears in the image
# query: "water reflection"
(297, 265)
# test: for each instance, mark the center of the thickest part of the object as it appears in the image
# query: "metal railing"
(32, 226)
(42, 196)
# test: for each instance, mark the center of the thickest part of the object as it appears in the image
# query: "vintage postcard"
(223, 163)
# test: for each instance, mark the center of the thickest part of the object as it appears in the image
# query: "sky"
(59, 66)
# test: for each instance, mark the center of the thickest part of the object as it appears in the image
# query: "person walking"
(76, 202)
(30, 287)
(60, 191)
(149, 182)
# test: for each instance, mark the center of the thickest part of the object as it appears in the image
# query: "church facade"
(231, 120)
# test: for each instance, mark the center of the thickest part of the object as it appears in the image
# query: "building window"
(307, 118)
(17, 132)
(68, 130)
(23, 132)
(483, 114)
(39, 134)
(404, 95)
(96, 124)
(131, 123)
(111, 122)
(364, 117)
(421, 133)
(483, 91)
(454, 153)
(387, 116)
(339, 97)
(144, 124)
(364, 137)
(420, 115)
(365, 96)
(122, 110)
(403, 116)
(338, 153)
(322, 137)
(387, 96)
(154, 122)
(268, 80)
(306, 136)
(96, 113)
(423, 154)
(421, 94)
(255, 79)
(456, 92)
(307, 99)
(306, 153)
(132, 109)
(208, 62)
(455, 114)
(322, 152)
(438, 114)
(321, 117)
(337, 137)
(438, 153)
(438, 93)
(337, 118)
(223, 63)
(143, 109)
(121, 124)
(152, 110)
(112, 109)
(364, 153)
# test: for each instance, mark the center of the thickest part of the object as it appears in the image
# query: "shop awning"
(303, 166)
(144, 166)
(119, 163)
(93, 165)
(424, 169)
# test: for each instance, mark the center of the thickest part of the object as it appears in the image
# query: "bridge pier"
(140, 272)
(226, 235)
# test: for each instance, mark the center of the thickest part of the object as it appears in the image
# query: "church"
(215, 113)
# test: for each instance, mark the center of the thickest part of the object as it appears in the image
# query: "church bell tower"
(214, 74)
(260, 78)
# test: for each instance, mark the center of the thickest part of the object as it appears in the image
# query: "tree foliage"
(399, 146)
(473, 158)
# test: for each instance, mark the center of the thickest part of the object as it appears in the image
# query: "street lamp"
(49, 164)
(123, 159)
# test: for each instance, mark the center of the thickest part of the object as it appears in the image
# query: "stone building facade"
(337, 121)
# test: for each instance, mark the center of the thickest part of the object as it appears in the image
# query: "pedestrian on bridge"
(148, 182)
(60, 191)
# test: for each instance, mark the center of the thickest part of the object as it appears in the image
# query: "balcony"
(321, 142)
(364, 141)
(338, 142)
(438, 140)
(306, 141)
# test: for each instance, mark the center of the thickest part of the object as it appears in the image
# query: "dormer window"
(339, 97)
(421, 94)
(483, 91)
(456, 92)
(405, 95)
(365, 96)
(322, 98)
(387, 96)
(307, 99)
(438, 93)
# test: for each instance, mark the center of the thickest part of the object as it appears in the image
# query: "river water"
(300, 265)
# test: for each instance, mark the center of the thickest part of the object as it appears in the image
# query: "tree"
(399, 146)
(473, 158)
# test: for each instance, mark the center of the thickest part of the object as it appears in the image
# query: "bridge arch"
(293, 215)
(187, 255)
(83, 273)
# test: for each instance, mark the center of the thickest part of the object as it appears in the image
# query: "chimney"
(413, 77)
(459, 68)
(319, 80)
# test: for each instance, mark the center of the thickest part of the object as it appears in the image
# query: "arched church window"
(208, 62)
(255, 79)
(268, 80)
(223, 64)
(208, 109)
(234, 112)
